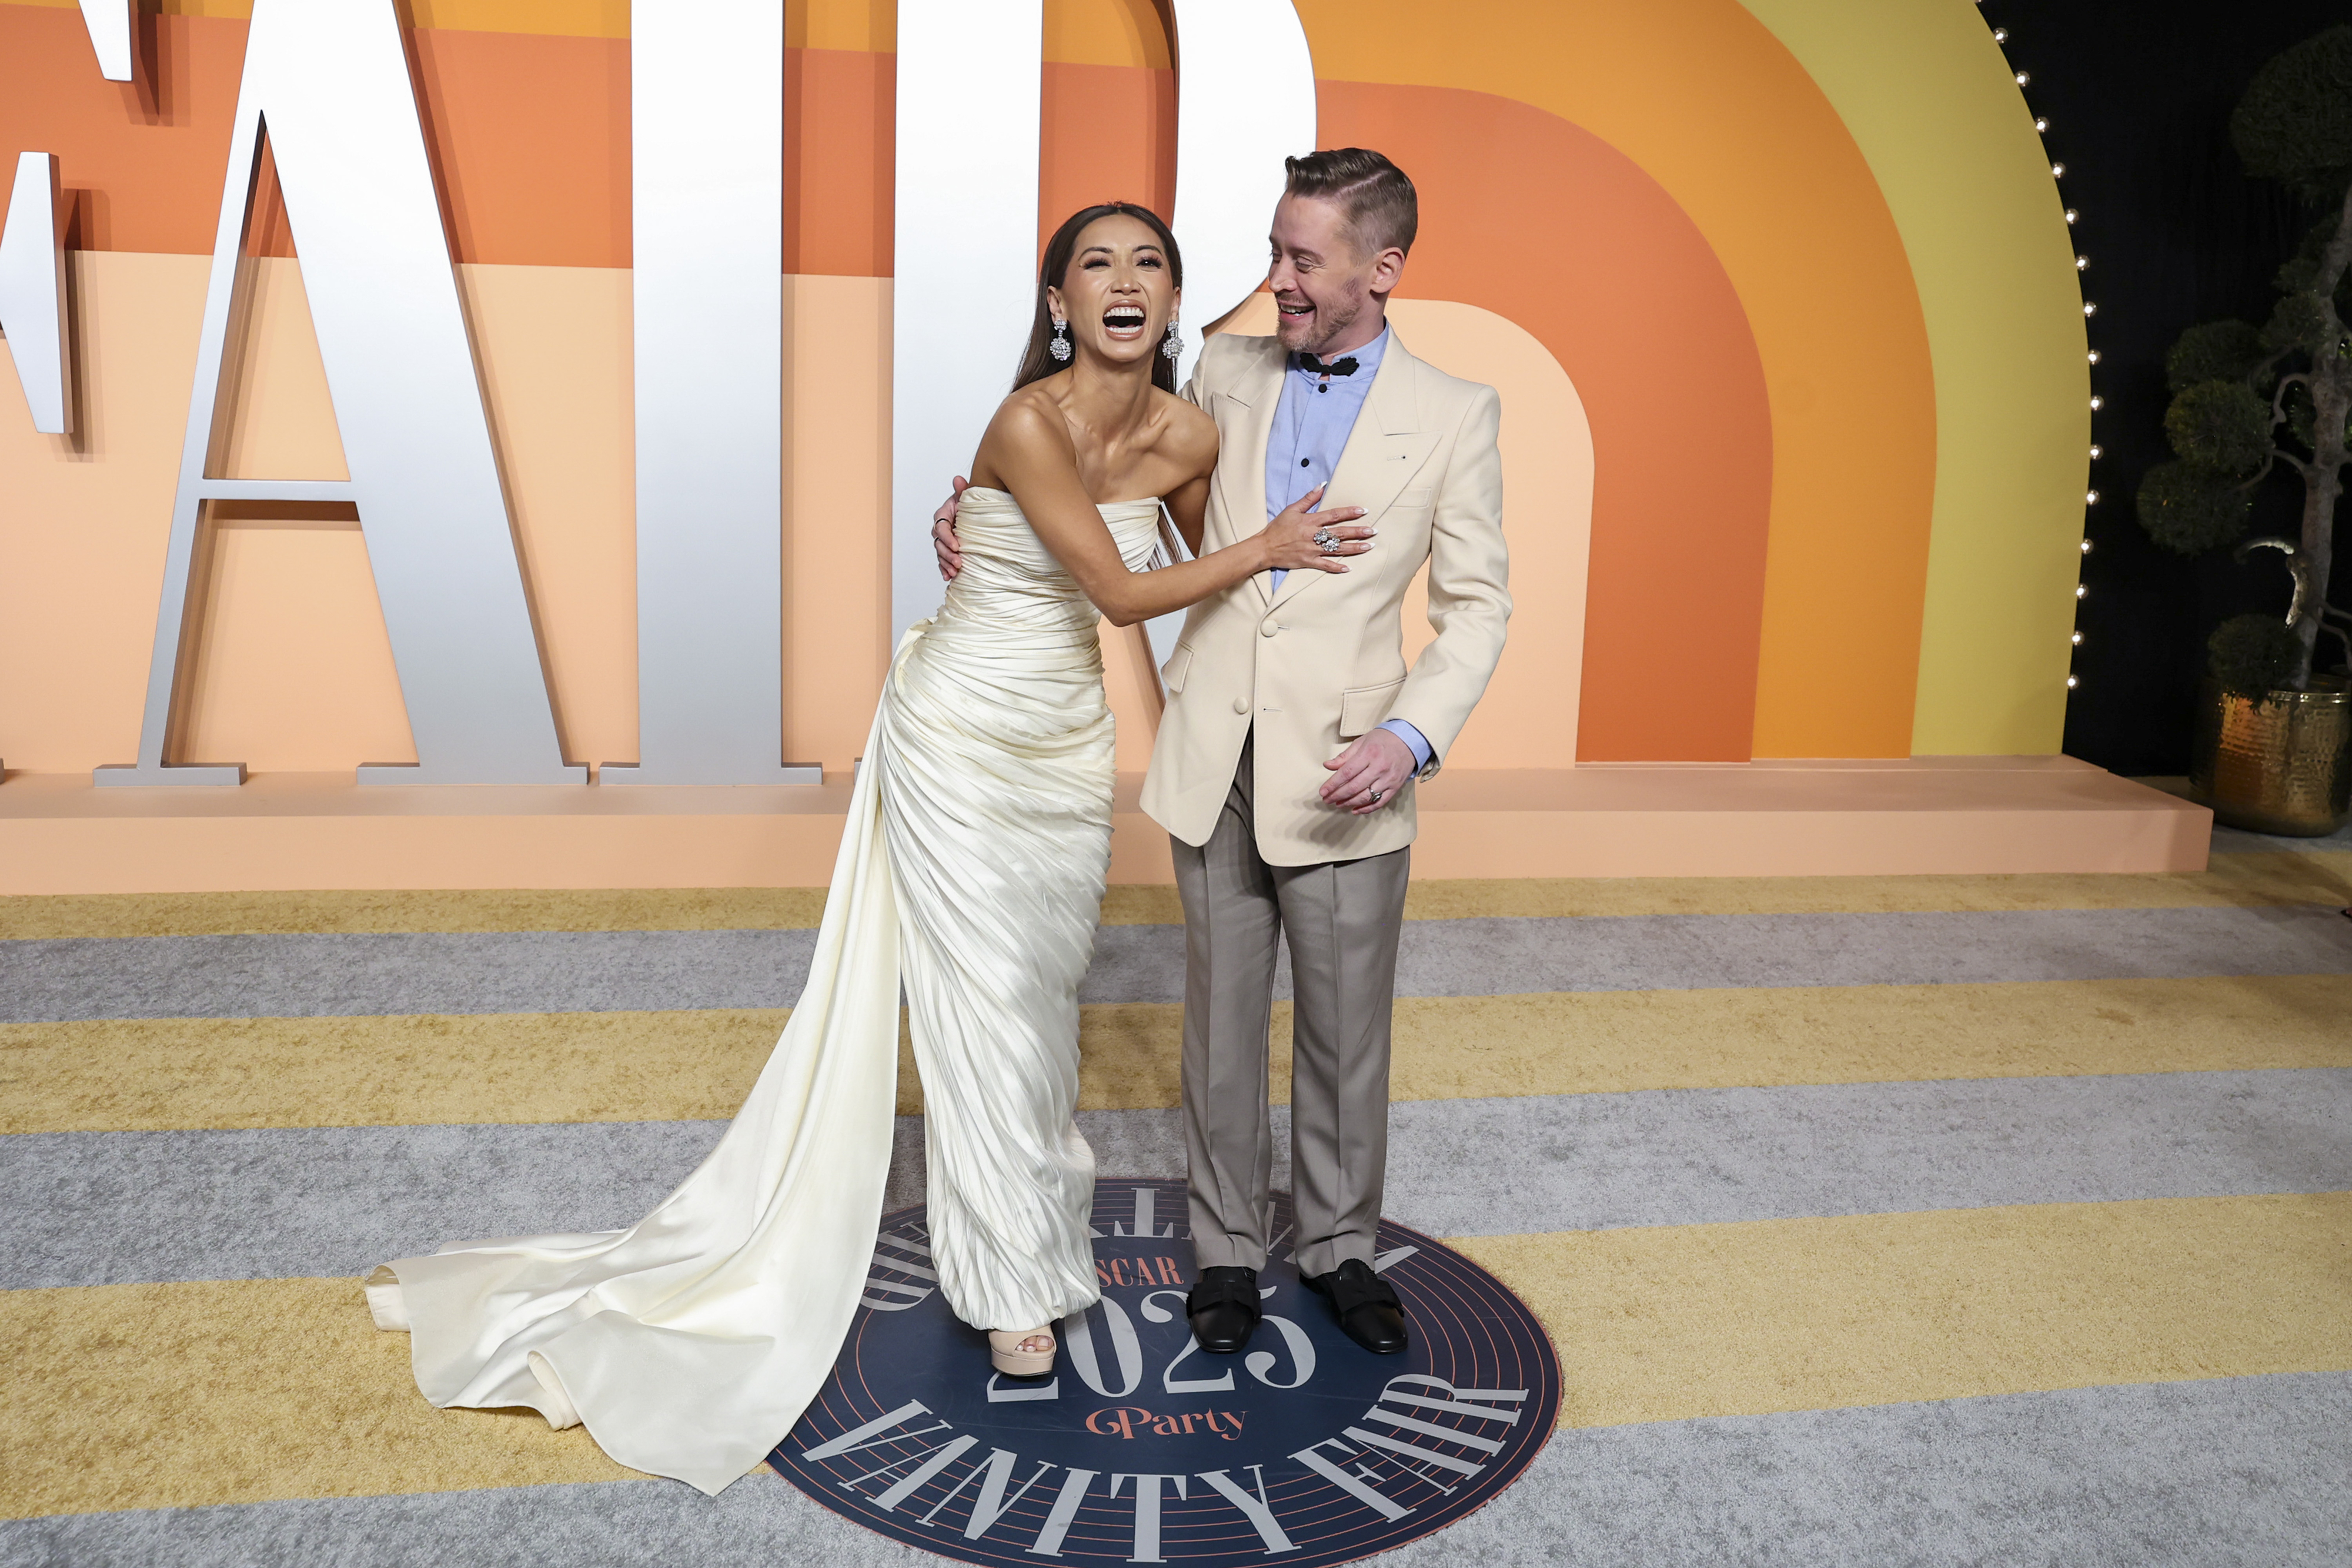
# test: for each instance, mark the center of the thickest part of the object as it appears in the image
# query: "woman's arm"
(1028, 449)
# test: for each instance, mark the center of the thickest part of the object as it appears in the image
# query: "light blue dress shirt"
(1311, 427)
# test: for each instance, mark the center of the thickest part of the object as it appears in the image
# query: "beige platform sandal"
(1010, 1352)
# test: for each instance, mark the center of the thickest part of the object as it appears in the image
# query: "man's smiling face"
(1322, 282)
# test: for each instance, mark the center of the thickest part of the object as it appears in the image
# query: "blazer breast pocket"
(1410, 505)
(1179, 665)
(1363, 706)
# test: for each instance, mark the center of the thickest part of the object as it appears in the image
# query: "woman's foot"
(1022, 1352)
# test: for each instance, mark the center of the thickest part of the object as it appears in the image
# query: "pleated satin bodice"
(1011, 581)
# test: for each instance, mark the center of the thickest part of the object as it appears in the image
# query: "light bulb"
(2087, 546)
(2090, 498)
(2081, 591)
(2040, 122)
(2094, 356)
(2089, 308)
(2057, 171)
(2022, 78)
(2071, 215)
(2097, 403)
(2001, 34)
(2076, 639)
(2081, 264)
(2072, 682)
(2095, 452)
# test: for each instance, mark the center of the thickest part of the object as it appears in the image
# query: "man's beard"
(1326, 325)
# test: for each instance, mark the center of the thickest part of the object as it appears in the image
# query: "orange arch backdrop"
(1535, 219)
(1654, 189)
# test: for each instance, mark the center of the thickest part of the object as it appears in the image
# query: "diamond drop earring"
(1060, 347)
(1172, 344)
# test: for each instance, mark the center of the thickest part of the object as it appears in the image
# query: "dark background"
(2138, 97)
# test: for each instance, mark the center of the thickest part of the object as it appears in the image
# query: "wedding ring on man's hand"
(1376, 797)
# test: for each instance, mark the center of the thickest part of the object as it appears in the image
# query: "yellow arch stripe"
(1930, 100)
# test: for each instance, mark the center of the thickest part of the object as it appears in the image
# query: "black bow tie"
(1314, 367)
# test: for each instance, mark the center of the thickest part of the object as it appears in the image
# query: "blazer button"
(1241, 704)
(1268, 630)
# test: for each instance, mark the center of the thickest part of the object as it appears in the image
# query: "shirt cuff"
(1413, 739)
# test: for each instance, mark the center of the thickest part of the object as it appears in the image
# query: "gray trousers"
(1342, 919)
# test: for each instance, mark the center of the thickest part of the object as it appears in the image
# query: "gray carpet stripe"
(1700, 951)
(1686, 1157)
(346, 975)
(2184, 1475)
(760, 1522)
(119, 1208)
(561, 971)
(2235, 1472)
(109, 1208)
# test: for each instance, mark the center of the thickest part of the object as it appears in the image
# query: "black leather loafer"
(1225, 1309)
(1366, 1305)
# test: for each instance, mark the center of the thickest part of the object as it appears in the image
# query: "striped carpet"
(1880, 1221)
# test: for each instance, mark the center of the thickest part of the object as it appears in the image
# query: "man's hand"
(943, 534)
(1368, 775)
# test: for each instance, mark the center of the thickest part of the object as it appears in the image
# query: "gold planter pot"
(2280, 766)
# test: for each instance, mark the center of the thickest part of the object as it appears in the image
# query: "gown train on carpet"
(970, 870)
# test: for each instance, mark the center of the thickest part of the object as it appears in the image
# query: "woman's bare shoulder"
(1031, 411)
(1029, 424)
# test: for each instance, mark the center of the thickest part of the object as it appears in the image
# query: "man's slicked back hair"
(1379, 201)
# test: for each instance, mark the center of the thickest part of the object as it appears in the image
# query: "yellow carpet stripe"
(240, 1391)
(1674, 1322)
(151, 1074)
(27, 917)
(181, 1395)
(1612, 1042)
(154, 1073)
(2239, 881)
(2244, 882)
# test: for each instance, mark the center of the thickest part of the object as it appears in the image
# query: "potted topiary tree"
(2272, 750)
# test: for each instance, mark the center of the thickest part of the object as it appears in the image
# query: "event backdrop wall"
(1780, 298)
(2139, 94)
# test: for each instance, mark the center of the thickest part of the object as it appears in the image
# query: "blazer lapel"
(1246, 423)
(1386, 448)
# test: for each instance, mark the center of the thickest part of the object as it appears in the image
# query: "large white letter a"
(328, 81)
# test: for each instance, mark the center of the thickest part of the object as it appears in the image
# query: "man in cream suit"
(1294, 733)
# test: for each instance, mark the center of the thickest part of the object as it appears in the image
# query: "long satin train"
(644, 1333)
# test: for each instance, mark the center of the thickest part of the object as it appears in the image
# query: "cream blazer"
(1320, 660)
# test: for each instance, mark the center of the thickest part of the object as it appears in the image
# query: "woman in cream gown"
(970, 870)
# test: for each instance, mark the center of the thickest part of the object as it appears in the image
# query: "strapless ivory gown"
(972, 869)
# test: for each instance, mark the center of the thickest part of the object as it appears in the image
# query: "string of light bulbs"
(2090, 309)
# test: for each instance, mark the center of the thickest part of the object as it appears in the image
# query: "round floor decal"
(1304, 1450)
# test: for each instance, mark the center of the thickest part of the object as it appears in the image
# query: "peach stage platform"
(315, 830)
